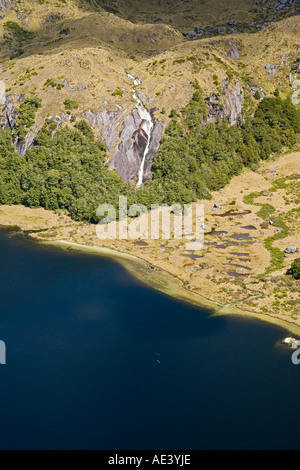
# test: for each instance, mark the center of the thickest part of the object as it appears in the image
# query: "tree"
(294, 270)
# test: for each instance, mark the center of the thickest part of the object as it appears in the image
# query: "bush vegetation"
(65, 168)
(294, 270)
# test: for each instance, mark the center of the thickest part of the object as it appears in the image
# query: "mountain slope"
(80, 51)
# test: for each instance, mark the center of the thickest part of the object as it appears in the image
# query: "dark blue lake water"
(83, 339)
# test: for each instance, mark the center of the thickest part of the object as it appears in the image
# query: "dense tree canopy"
(65, 169)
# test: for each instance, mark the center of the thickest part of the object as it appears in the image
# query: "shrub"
(70, 104)
(294, 270)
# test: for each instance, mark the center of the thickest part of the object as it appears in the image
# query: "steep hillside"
(207, 16)
(80, 51)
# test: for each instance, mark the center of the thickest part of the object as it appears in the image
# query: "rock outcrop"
(228, 106)
(291, 249)
(126, 140)
(8, 114)
(233, 53)
(108, 121)
(23, 146)
(157, 132)
(128, 153)
(8, 118)
(271, 69)
(233, 104)
(3, 5)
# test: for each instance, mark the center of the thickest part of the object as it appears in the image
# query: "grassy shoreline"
(164, 282)
(171, 286)
(230, 275)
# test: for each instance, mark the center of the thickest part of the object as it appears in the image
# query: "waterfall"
(146, 126)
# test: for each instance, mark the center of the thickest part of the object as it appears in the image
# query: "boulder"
(233, 53)
(271, 69)
(291, 249)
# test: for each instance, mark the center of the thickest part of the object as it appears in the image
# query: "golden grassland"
(91, 60)
(232, 272)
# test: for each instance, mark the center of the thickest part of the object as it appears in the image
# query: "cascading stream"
(146, 126)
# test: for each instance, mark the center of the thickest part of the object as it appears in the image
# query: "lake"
(97, 360)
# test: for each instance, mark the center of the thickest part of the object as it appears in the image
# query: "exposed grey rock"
(233, 53)
(8, 114)
(191, 35)
(3, 5)
(110, 132)
(233, 104)
(128, 154)
(53, 17)
(271, 69)
(22, 147)
(217, 206)
(272, 170)
(231, 107)
(291, 249)
(66, 117)
(157, 132)
(108, 122)
(259, 90)
(21, 98)
(225, 85)
(103, 118)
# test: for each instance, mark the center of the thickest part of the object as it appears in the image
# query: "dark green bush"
(295, 269)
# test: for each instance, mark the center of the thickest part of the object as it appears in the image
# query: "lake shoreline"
(182, 294)
(157, 278)
(235, 272)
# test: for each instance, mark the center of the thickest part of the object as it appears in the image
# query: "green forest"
(66, 169)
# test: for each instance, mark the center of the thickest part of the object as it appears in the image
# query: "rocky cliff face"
(228, 106)
(108, 121)
(128, 153)
(126, 140)
(157, 132)
(122, 130)
(22, 147)
(8, 115)
(3, 5)
(233, 104)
